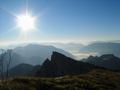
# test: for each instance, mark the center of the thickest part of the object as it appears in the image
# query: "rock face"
(60, 65)
(107, 61)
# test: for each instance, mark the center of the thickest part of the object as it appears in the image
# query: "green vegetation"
(94, 80)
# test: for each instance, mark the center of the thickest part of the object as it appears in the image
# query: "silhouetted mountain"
(108, 61)
(23, 70)
(60, 65)
(103, 48)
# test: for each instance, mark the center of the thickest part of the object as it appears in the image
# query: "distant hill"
(101, 48)
(60, 65)
(33, 54)
(23, 70)
(108, 61)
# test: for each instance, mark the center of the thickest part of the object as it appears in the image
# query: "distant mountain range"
(108, 61)
(37, 50)
(102, 48)
(33, 54)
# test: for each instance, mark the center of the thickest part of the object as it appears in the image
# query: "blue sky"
(63, 20)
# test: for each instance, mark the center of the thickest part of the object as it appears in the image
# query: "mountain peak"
(56, 54)
(46, 61)
(58, 58)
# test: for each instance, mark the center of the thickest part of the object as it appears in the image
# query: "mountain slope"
(60, 65)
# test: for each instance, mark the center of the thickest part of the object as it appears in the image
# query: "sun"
(26, 22)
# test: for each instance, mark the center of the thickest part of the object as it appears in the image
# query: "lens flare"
(26, 22)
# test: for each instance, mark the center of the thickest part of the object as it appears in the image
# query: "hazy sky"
(62, 20)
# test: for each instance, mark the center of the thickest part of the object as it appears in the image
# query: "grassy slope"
(95, 80)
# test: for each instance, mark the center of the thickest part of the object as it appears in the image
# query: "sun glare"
(26, 22)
